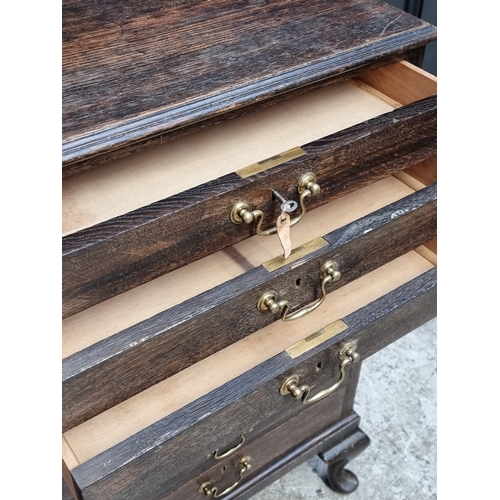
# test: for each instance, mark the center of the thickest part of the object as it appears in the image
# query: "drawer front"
(156, 459)
(109, 110)
(308, 429)
(169, 342)
(118, 254)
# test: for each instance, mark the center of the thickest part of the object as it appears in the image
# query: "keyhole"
(224, 469)
(297, 282)
(319, 366)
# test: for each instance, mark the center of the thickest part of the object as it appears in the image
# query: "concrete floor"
(396, 401)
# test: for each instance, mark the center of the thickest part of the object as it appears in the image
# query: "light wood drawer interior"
(96, 195)
(123, 185)
(114, 315)
(109, 428)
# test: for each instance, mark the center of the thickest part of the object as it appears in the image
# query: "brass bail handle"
(208, 490)
(347, 356)
(232, 450)
(269, 300)
(242, 211)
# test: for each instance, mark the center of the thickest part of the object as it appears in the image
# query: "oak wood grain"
(114, 425)
(112, 257)
(309, 427)
(128, 362)
(139, 467)
(107, 318)
(337, 434)
(118, 187)
(135, 74)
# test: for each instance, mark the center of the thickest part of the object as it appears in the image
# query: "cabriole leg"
(334, 473)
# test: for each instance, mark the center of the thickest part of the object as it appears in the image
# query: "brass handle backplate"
(347, 356)
(242, 211)
(269, 300)
(208, 490)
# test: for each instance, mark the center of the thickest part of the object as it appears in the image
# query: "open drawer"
(121, 347)
(148, 445)
(137, 218)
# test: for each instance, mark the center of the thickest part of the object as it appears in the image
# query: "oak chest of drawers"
(201, 141)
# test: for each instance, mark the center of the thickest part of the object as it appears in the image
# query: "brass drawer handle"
(208, 490)
(232, 450)
(269, 300)
(242, 211)
(347, 356)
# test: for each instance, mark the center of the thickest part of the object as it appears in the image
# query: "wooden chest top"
(137, 73)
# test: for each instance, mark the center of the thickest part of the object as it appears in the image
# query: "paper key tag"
(283, 230)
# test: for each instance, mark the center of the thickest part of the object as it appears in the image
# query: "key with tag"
(286, 205)
(283, 222)
(283, 230)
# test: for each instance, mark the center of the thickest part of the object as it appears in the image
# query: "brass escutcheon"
(269, 300)
(347, 356)
(243, 212)
(208, 490)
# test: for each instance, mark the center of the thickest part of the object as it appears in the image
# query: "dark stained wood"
(142, 466)
(351, 388)
(264, 410)
(127, 251)
(140, 73)
(173, 340)
(336, 435)
(416, 56)
(134, 75)
(337, 477)
(337, 432)
(296, 438)
(288, 457)
(66, 493)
